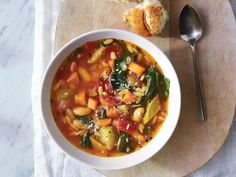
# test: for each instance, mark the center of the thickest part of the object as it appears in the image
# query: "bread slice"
(154, 19)
(135, 18)
(147, 18)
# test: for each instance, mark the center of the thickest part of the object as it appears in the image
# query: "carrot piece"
(92, 103)
(113, 113)
(104, 122)
(80, 98)
(107, 101)
(73, 67)
(129, 98)
(136, 68)
(73, 79)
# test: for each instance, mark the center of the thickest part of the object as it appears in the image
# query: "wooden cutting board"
(193, 142)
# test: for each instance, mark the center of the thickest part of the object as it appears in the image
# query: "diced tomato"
(96, 85)
(125, 125)
(63, 73)
(90, 47)
(82, 58)
(63, 84)
(111, 48)
(105, 85)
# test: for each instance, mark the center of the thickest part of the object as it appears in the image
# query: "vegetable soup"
(109, 97)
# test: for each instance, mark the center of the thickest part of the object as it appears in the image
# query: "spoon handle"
(200, 93)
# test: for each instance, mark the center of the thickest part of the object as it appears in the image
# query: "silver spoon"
(190, 28)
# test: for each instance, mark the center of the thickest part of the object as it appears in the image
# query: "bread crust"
(153, 18)
(135, 17)
(147, 18)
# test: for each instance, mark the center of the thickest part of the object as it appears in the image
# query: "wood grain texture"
(193, 142)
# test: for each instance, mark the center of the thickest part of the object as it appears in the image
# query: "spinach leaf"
(156, 84)
(152, 84)
(123, 144)
(86, 140)
(164, 87)
(85, 120)
(118, 77)
(115, 81)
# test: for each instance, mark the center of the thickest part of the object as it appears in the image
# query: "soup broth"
(109, 97)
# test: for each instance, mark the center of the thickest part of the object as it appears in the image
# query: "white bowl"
(136, 157)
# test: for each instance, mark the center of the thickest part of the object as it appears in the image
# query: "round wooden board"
(193, 142)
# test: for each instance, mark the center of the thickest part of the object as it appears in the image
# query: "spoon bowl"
(190, 26)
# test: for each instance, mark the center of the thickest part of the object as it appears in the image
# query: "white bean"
(138, 114)
(81, 111)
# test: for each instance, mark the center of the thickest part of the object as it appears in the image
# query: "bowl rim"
(68, 148)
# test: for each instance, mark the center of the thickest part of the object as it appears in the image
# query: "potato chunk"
(108, 136)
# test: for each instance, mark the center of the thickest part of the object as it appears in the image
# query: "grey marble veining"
(16, 57)
(16, 126)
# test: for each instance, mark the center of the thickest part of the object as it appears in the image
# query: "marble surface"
(16, 128)
(16, 59)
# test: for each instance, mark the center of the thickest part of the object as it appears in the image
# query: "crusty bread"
(147, 18)
(153, 19)
(135, 18)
